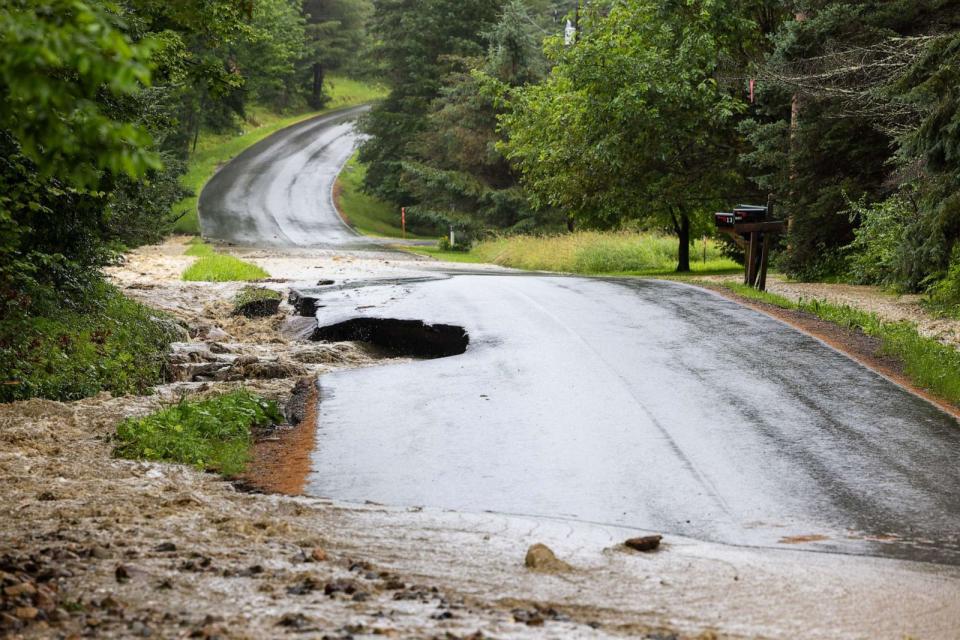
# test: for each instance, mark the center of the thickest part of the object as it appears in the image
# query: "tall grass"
(595, 252)
(214, 149)
(928, 363)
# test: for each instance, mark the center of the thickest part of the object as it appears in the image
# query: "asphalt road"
(648, 404)
(278, 193)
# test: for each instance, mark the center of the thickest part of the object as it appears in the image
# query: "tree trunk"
(683, 231)
(571, 225)
(316, 97)
(796, 106)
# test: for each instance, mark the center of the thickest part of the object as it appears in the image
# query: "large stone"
(644, 543)
(541, 558)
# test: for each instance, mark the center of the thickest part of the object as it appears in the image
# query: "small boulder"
(541, 558)
(644, 543)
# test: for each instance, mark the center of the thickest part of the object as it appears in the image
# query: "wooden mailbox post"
(752, 230)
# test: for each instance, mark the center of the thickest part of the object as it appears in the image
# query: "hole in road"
(411, 338)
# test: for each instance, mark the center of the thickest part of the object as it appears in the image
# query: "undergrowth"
(75, 348)
(213, 434)
(928, 363)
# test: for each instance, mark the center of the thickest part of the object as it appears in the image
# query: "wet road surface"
(645, 404)
(278, 193)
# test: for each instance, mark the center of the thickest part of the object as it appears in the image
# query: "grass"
(75, 350)
(928, 363)
(222, 268)
(213, 150)
(218, 267)
(213, 434)
(249, 295)
(367, 214)
(591, 252)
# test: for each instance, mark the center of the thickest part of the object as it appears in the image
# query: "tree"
(270, 53)
(635, 121)
(855, 69)
(417, 43)
(336, 32)
(456, 172)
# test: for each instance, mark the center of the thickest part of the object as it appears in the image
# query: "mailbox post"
(751, 228)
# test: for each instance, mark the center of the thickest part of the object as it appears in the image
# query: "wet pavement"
(647, 405)
(278, 193)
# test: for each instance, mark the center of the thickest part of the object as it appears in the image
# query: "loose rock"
(644, 543)
(541, 558)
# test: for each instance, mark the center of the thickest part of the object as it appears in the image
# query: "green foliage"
(873, 86)
(417, 42)
(944, 298)
(270, 54)
(56, 57)
(928, 363)
(875, 254)
(337, 41)
(453, 170)
(223, 268)
(80, 340)
(213, 434)
(632, 122)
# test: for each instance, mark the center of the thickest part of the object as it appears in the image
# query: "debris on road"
(541, 558)
(644, 543)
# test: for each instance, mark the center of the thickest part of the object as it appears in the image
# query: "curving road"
(278, 192)
(648, 404)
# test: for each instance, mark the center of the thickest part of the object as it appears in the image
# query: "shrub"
(874, 254)
(213, 434)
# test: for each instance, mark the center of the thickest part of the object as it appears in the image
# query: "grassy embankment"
(213, 150)
(591, 253)
(100, 341)
(928, 363)
(213, 434)
(218, 267)
(367, 214)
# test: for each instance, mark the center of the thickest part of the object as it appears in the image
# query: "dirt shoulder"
(888, 306)
(93, 546)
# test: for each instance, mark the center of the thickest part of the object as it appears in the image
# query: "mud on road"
(93, 546)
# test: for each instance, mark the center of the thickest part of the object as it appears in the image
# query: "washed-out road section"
(650, 405)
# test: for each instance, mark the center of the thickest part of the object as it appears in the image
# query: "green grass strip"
(214, 150)
(222, 268)
(927, 362)
(213, 434)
